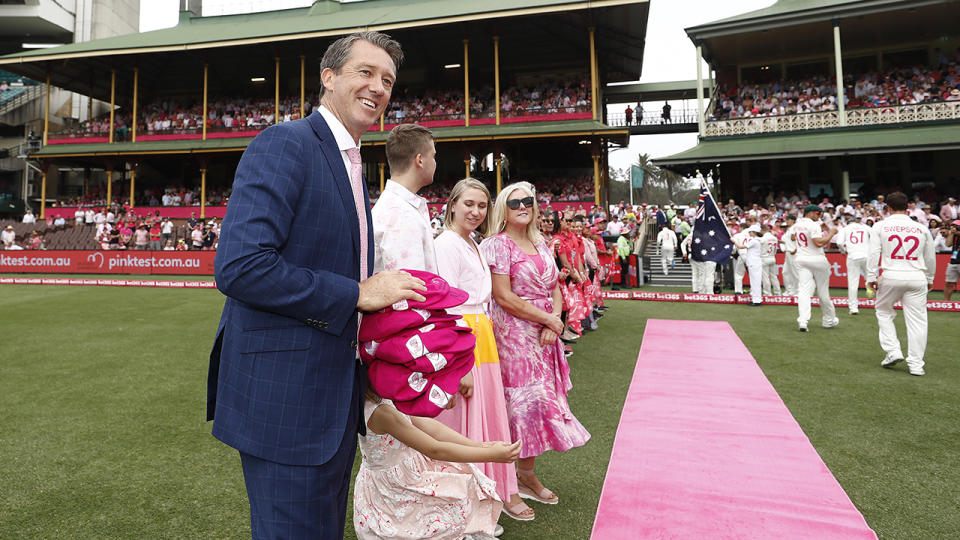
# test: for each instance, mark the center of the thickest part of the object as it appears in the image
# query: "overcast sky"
(668, 56)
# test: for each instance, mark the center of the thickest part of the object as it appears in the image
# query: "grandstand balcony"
(778, 120)
(887, 115)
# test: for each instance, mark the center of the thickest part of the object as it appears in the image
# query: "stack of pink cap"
(416, 352)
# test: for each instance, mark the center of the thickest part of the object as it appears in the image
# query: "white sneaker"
(854, 312)
(891, 361)
(917, 371)
(831, 324)
(803, 327)
(498, 530)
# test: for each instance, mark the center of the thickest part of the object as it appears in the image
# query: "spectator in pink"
(196, 238)
(526, 321)
(141, 238)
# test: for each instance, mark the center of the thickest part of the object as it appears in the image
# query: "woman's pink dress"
(483, 416)
(536, 378)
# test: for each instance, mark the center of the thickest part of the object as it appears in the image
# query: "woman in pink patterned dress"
(526, 321)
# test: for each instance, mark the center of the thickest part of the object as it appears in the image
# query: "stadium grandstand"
(774, 121)
(512, 90)
(26, 26)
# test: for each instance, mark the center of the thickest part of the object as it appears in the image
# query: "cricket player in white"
(750, 251)
(813, 268)
(909, 263)
(667, 242)
(740, 263)
(791, 276)
(854, 240)
(696, 279)
(768, 256)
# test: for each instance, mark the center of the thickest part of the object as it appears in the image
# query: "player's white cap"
(754, 228)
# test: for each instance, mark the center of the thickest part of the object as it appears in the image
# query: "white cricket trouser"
(791, 276)
(771, 281)
(855, 269)
(755, 268)
(707, 273)
(913, 294)
(696, 279)
(814, 275)
(666, 259)
(739, 270)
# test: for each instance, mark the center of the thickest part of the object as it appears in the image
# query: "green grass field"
(102, 399)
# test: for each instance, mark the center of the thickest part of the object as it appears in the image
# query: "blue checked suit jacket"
(283, 363)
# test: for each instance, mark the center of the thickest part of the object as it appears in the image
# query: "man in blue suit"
(285, 387)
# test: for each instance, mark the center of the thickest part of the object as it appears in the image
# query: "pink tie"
(356, 182)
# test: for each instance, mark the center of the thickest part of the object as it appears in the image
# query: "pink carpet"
(707, 449)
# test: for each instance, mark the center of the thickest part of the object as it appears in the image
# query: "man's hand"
(873, 286)
(466, 385)
(387, 288)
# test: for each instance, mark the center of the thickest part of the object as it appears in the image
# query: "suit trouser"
(708, 270)
(855, 269)
(739, 270)
(913, 294)
(755, 268)
(814, 276)
(771, 282)
(666, 259)
(625, 272)
(291, 501)
(696, 279)
(791, 276)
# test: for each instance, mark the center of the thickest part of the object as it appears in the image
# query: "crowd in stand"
(242, 114)
(170, 195)
(117, 228)
(128, 231)
(895, 86)
(549, 97)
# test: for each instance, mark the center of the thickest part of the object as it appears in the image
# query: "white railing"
(921, 112)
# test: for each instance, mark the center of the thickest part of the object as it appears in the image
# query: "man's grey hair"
(338, 52)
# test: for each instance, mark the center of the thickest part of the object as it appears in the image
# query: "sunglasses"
(514, 204)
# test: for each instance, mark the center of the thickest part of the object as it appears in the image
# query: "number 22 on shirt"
(901, 242)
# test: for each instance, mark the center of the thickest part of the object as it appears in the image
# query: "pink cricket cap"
(380, 325)
(428, 340)
(435, 392)
(439, 293)
(400, 383)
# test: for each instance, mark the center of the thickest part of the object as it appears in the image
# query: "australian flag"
(711, 239)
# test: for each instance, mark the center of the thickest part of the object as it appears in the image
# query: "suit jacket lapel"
(328, 145)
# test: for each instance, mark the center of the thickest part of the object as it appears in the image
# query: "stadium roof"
(864, 24)
(629, 93)
(559, 25)
(539, 130)
(872, 140)
(324, 18)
